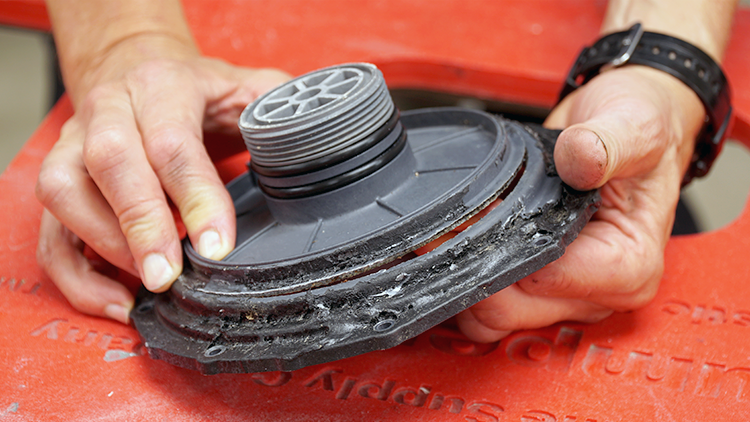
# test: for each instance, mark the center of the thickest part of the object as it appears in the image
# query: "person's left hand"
(135, 145)
(630, 131)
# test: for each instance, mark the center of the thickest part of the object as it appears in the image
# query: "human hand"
(135, 141)
(630, 131)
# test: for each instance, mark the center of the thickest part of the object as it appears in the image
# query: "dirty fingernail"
(117, 312)
(156, 271)
(209, 244)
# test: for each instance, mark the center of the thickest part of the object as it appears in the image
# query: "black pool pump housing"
(342, 189)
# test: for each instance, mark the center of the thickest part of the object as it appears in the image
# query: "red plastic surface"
(684, 357)
(31, 14)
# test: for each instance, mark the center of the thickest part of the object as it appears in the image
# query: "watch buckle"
(629, 43)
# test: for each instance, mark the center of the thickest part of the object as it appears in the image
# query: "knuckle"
(642, 299)
(167, 147)
(646, 281)
(110, 244)
(542, 284)
(83, 302)
(104, 149)
(69, 128)
(139, 224)
(643, 289)
(499, 318)
(98, 94)
(644, 295)
(53, 182)
(596, 316)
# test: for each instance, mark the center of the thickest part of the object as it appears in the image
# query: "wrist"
(97, 39)
(703, 23)
(113, 61)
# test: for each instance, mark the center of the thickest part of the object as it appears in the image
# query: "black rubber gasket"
(341, 180)
(333, 158)
(214, 326)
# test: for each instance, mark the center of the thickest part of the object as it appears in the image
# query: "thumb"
(620, 124)
(582, 158)
(611, 144)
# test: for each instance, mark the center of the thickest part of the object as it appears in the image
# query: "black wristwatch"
(680, 59)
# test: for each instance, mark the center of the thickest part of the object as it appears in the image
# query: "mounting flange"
(342, 190)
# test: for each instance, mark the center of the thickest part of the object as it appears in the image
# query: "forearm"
(703, 23)
(123, 32)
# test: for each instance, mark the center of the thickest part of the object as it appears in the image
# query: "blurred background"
(27, 90)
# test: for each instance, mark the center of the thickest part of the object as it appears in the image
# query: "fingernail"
(600, 141)
(156, 271)
(582, 161)
(117, 312)
(209, 243)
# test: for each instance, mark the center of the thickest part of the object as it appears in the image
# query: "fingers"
(618, 258)
(59, 254)
(514, 309)
(629, 131)
(115, 158)
(142, 137)
(172, 139)
(477, 330)
(624, 275)
(66, 190)
(105, 179)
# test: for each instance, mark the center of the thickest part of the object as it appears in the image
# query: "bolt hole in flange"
(542, 241)
(145, 307)
(214, 351)
(352, 206)
(384, 325)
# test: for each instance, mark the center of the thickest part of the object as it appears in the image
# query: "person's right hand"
(630, 132)
(134, 143)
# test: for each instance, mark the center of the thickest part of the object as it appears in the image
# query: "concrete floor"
(25, 92)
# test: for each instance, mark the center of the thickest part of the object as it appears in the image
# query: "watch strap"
(680, 59)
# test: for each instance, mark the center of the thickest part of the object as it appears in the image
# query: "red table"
(684, 357)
